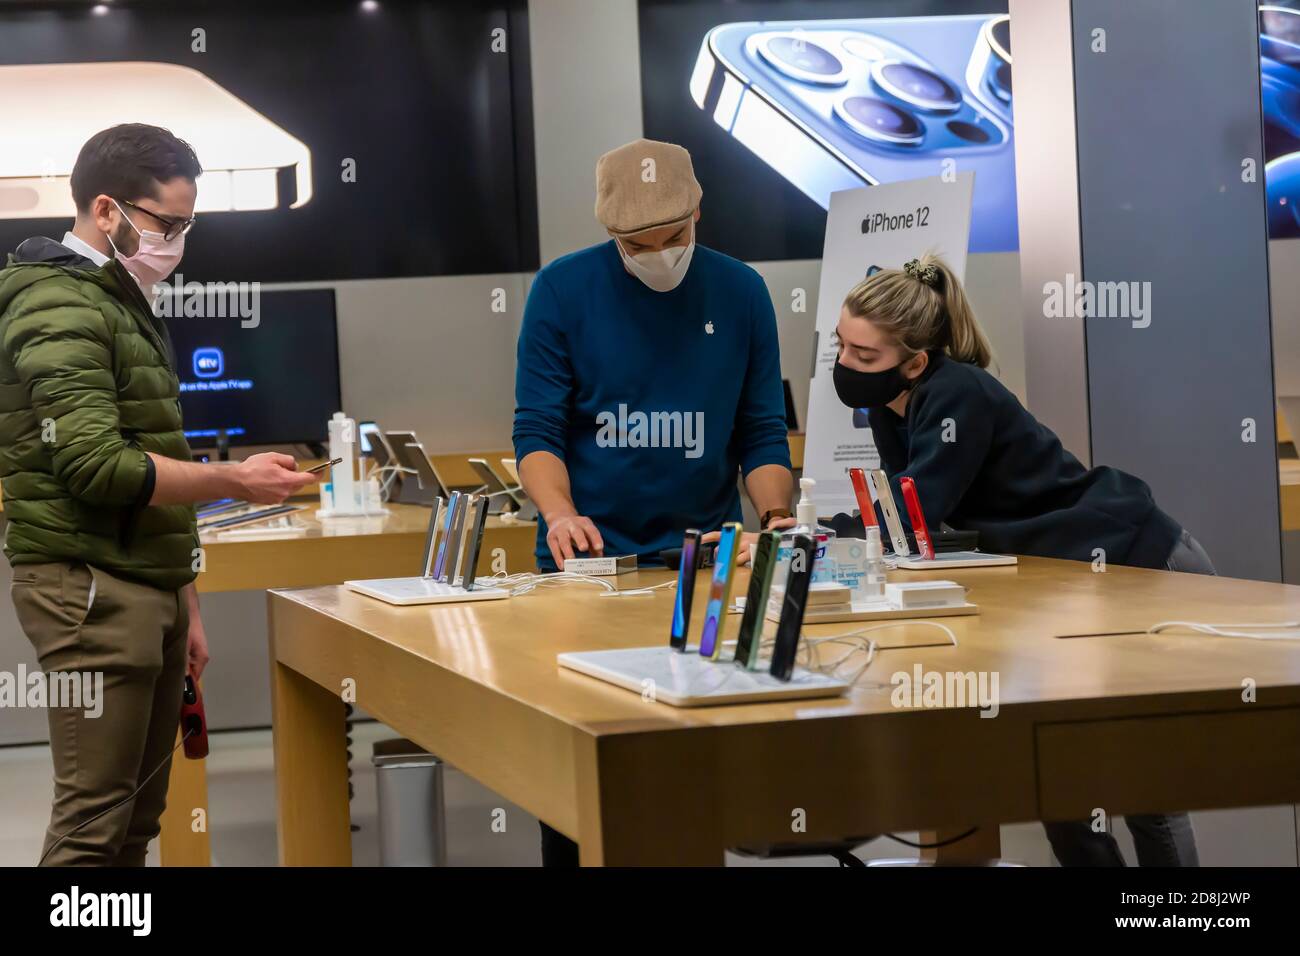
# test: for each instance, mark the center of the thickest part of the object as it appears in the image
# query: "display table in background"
(331, 552)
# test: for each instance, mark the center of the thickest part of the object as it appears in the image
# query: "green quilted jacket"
(86, 388)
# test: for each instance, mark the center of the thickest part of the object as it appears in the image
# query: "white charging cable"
(386, 476)
(526, 581)
(634, 592)
(1234, 630)
(855, 641)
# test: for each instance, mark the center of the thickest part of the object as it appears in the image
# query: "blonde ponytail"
(923, 307)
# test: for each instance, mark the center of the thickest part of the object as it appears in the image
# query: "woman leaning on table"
(912, 354)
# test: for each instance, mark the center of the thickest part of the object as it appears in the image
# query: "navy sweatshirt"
(654, 400)
(981, 462)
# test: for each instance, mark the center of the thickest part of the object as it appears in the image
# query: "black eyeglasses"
(172, 227)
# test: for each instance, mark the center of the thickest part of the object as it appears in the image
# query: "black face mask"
(868, 389)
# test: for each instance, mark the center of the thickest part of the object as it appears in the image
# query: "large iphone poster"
(791, 100)
(784, 102)
(868, 229)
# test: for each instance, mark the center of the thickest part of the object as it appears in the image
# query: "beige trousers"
(87, 621)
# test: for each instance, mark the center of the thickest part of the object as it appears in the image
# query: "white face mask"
(662, 271)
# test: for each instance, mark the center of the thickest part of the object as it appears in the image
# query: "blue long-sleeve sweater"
(654, 400)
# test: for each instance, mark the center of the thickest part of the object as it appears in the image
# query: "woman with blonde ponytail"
(914, 358)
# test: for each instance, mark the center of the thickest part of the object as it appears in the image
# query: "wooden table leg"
(183, 840)
(311, 771)
(630, 817)
(981, 847)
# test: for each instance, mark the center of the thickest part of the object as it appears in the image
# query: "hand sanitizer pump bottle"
(805, 514)
(873, 582)
(343, 444)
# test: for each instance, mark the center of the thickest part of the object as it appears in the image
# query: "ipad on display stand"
(498, 495)
(419, 482)
(508, 483)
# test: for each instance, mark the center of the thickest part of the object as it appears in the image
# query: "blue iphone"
(840, 104)
(685, 589)
(720, 592)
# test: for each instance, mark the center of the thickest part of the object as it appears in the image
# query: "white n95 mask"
(661, 271)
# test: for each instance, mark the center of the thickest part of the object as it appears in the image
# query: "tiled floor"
(241, 800)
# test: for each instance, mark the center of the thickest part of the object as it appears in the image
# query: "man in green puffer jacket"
(99, 489)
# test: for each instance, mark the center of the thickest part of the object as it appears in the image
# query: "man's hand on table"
(566, 535)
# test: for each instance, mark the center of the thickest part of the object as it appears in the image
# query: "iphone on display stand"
(859, 479)
(440, 558)
(685, 589)
(436, 517)
(885, 495)
(749, 638)
(793, 604)
(457, 542)
(720, 590)
(479, 523)
(917, 517)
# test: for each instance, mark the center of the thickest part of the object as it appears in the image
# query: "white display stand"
(862, 611)
(257, 534)
(835, 613)
(955, 559)
(417, 590)
(685, 679)
(371, 511)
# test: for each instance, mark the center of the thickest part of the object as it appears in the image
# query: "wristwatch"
(773, 513)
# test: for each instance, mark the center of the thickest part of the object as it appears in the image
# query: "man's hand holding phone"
(566, 535)
(270, 478)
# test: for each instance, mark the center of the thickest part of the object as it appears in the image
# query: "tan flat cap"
(644, 185)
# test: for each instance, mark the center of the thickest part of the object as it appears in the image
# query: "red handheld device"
(917, 517)
(194, 723)
(868, 510)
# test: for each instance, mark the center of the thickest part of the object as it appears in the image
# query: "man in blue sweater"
(648, 377)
